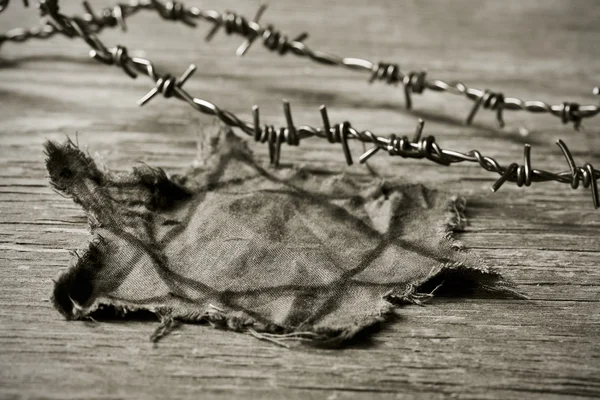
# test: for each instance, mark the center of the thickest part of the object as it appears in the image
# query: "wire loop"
(116, 56)
(570, 113)
(387, 72)
(489, 100)
(173, 11)
(167, 85)
(414, 82)
(586, 174)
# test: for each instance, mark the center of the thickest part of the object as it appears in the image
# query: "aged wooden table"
(545, 237)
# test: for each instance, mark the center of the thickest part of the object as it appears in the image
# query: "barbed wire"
(414, 82)
(418, 147)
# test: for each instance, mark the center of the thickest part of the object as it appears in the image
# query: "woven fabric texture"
(280, 253)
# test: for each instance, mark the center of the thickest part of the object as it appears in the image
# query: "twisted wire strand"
(414, 82)
(418, 147)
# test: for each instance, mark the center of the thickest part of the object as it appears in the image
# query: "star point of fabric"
(279, 253)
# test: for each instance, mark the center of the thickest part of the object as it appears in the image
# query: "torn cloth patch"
(280, 253)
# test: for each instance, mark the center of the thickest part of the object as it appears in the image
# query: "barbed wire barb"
(249, 40)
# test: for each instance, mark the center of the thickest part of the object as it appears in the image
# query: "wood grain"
(544, 237)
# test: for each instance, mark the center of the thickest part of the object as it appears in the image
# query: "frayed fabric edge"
(417, 293)
(169, 319)
(479, 280)
(455, 221)
(489, 281)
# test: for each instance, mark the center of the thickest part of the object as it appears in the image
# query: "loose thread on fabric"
(414, 82)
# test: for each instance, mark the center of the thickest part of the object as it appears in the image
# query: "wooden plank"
(544, 237)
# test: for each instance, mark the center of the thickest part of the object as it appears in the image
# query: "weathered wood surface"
(544, 237)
